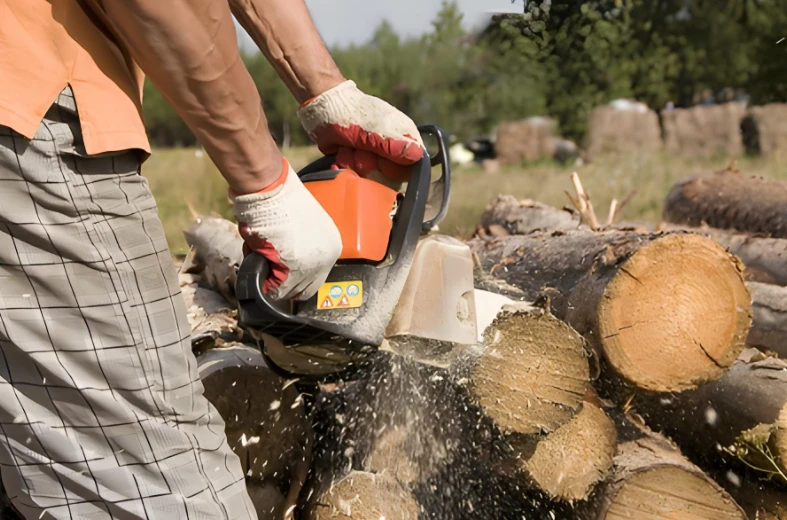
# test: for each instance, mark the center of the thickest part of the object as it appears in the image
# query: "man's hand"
(287, 225)
(366, 133)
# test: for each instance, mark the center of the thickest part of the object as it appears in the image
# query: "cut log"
(520, 217)
(651, 479)
(765, 258)
(728, 199)
(532, 373)
(769, 328)
(364, 496)
(220, 249)
(265, 420)
(735, 416)
(569, 462)
(666, 311)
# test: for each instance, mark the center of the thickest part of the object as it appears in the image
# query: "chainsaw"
(396, 286)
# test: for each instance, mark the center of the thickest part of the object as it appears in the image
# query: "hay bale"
(615, 129)
(765, 129)
(704, 131)
(526, 140)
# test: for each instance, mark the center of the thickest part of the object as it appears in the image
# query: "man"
(101, 409)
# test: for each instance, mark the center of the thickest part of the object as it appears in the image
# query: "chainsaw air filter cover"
(360, 208)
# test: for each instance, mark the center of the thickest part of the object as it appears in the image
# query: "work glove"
(287, 225)
(366, 134)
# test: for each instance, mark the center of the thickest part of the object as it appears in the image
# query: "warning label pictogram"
(345, 295)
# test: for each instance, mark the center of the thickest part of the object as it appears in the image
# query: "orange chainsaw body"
(361, 209)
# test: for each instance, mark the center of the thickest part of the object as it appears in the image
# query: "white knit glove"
(291, 229)
(367, 134)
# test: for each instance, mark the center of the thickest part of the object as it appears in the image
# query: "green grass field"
(178, 176)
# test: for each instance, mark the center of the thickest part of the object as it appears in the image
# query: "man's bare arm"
(284, 31)
(189, 50)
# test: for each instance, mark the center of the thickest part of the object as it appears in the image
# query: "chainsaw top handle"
(321, 169)
(304, 322)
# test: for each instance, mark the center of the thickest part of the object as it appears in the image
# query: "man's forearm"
(188, 49)
(284, 31)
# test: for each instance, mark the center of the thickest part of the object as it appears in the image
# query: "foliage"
(559, 58)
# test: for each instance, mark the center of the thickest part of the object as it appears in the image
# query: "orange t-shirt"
(46, 45)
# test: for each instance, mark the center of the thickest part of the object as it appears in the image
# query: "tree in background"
(652, 50)
(446, 77)
(559, 58)
(164, 126)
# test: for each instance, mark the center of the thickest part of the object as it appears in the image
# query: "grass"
(179, 175)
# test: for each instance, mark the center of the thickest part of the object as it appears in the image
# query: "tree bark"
(213, 321)
(520, 217)
(769, 328)
(666, 311)
(728, 199)
(765, 258)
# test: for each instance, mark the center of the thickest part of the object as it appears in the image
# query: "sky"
(342, 22)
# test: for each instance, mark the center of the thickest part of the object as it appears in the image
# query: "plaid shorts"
(102, 413)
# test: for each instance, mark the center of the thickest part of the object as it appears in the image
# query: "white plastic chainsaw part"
(438, 299)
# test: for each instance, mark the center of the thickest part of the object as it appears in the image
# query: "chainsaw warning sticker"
(340, 295)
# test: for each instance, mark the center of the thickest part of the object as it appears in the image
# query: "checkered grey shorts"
(101, 407)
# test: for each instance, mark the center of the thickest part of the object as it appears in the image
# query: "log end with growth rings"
(672, 492)
(533, 373)
(652, 480)
(569, 462)
(676, 314)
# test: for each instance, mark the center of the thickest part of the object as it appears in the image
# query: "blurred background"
(632, 94)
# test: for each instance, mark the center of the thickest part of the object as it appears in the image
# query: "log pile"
(624, 371)
(730, 424)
